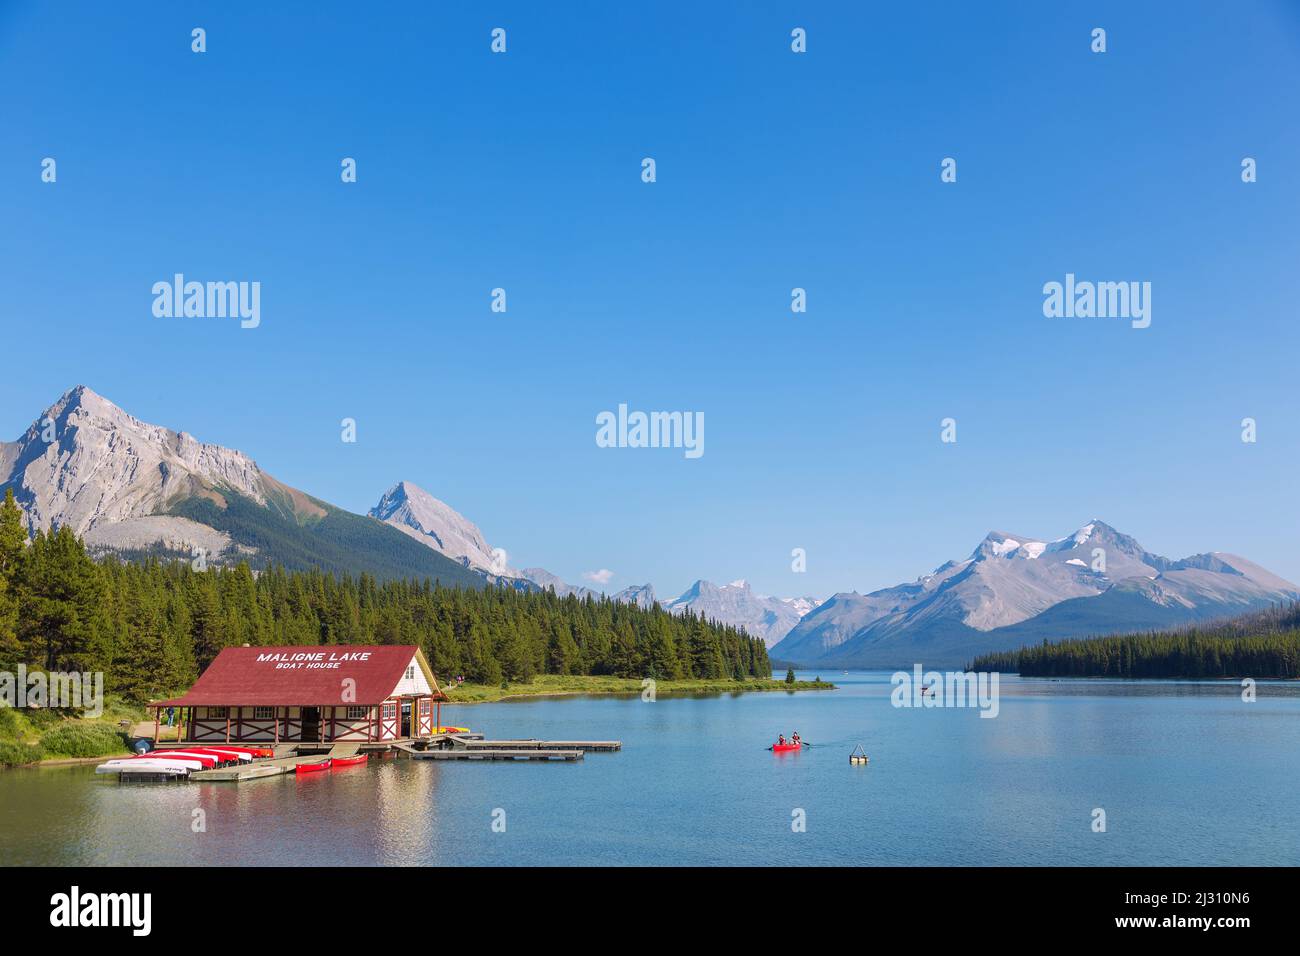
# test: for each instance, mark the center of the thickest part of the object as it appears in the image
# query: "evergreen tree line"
(152, 626)
(1264, 644)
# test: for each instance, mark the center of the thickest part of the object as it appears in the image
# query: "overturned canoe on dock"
(153, 768)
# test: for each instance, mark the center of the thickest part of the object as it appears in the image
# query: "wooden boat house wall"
(367, 694)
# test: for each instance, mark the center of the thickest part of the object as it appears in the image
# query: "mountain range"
(1015, 590)
(134, 489)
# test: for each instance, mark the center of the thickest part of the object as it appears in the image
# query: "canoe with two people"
(783, 745)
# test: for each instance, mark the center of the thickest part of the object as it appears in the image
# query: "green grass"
(31, 735)
(557, 685)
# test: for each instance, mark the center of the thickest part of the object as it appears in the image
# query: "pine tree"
(60, 590)
(13, 541)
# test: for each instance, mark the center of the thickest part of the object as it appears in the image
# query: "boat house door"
(311, 723)
(406, 719)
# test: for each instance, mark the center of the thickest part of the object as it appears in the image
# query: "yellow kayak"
(451, 730)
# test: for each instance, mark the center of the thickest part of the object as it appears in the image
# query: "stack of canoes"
(180, 762)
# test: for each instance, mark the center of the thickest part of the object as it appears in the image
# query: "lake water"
(1186, 774)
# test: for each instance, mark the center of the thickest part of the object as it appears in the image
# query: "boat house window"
(390, 711)
(410, 672)
(263, 713)
(357, 713)
(216, 711)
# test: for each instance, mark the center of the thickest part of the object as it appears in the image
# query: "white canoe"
(149, 765)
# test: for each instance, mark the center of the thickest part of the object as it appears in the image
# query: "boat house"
(358, 693)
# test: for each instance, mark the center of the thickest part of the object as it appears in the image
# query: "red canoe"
(784, 748)
(313, 767)
(350, 761)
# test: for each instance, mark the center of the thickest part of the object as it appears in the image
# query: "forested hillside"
(152, 626)
(1263, 645)
(336, 541)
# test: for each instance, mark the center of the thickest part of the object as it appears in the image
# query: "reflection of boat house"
(365, 694)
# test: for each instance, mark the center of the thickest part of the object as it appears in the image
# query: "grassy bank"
(557, 685)
(31, 735)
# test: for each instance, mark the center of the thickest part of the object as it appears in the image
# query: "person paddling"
(794, 738)
(780, 740)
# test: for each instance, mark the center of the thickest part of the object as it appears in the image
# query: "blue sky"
(775, 170)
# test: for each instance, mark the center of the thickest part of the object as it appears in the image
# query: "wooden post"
(157, 713)
(277, 724)
(227, 725)
(437, 724)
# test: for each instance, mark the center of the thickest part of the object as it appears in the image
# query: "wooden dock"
(270, 767)
(461, 742)
(468, 753)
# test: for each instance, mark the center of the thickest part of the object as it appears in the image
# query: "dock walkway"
(459, 741)
(466, 753)
(271, 767)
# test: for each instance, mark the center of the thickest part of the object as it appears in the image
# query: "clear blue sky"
(775, 170)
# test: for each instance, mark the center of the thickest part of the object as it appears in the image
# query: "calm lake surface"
(1186, 773)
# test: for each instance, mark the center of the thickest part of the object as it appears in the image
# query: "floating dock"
(477, 747)
(460, 741)
(466, 753)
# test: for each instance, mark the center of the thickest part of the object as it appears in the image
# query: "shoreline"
(550, 685)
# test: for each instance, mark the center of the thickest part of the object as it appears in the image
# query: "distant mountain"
(1015, 590)
(736, 603)
(545, 579)
(414, 512)
(642, 595)
(132, 488)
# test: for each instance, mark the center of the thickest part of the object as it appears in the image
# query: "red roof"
(305, 676)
